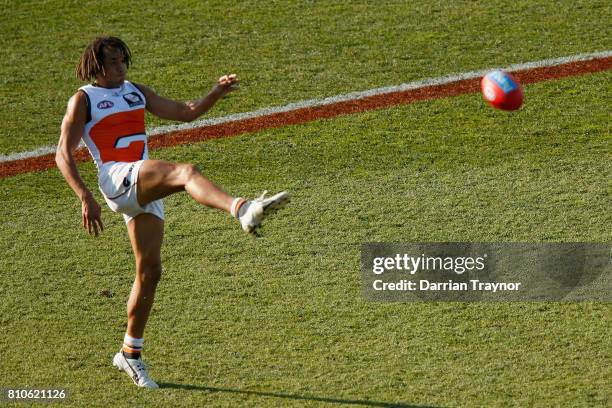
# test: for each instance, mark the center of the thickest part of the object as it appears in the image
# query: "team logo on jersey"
(133, 99)
(105, 105)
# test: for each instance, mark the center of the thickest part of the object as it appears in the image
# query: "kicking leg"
(158, 179)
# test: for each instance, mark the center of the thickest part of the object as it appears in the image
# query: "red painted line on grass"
(301, 115)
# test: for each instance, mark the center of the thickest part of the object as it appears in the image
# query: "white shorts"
(117, 182)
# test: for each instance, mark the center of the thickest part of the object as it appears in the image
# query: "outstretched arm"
(188, 111)
(72, 130)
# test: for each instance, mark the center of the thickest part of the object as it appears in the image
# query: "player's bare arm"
(188, 111)
(72, 130)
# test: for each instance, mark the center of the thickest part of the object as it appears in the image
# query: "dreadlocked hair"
(92, 60)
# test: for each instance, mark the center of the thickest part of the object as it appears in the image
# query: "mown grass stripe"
(313, 109)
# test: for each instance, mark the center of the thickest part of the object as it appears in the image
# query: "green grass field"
(280, 320)
(284, 51)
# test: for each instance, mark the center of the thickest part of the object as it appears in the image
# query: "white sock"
(239, 206)
(132, 345)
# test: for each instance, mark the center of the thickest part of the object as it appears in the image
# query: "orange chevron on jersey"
(120, 136)
(115, 127)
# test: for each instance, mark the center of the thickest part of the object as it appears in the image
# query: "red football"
(502, 90)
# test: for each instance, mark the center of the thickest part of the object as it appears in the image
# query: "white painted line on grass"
(311, 103)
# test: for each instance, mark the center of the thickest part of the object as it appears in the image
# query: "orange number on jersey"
(121, 136)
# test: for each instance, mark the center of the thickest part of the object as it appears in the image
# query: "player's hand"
(92, 213)
(227, 83)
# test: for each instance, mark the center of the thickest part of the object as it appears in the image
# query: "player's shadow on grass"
(291, 396)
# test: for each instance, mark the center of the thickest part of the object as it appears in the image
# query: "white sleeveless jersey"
(115, 128)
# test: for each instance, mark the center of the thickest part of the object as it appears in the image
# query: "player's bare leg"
(146, 233)
(158, 179)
